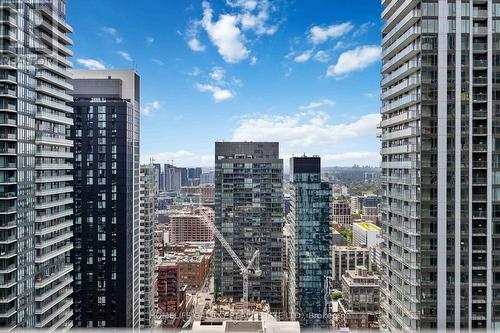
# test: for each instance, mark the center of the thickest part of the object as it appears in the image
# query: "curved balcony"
(7, 93)
(8, 78)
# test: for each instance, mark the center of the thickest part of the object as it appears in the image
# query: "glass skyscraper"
(309, 222)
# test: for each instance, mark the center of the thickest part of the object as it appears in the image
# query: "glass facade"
(310, 221)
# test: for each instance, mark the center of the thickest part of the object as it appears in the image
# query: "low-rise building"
(341, 213)
(193, 261)
(347, 258)
(359, 308)
(367, 234)
(171, 296)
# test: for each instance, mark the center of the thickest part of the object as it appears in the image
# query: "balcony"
(42, 281)
(479, 98)
(8, 20)
(480, 13)
(480, 147)
(401, 88)
(406, 54)
(53, 79)
(60, 106)
(480, 30)
(6, 107)
(480, 47)
(401, 103)
(49, 91)
(52, 138)
(9, 122)
(399, 165)
(5, 92)
(479, 81)
(53, 179)
(7, 78)
(409, 36)
(51, 254)
(405, 70)
(53, 117)
(8, 34)
(400, 134)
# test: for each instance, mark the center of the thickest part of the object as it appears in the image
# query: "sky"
(305, 73)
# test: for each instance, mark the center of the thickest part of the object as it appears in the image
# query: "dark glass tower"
(310, 221)
(106, 168)
(249, 213)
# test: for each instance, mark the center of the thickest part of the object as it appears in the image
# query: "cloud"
(150, 108)
(112, 32)
(304, 129)
(158, 62)
(125, 55)
(371, 158)
(218, 94)
(195, 72)
(217, 74)
(363, 29)
(195, 45)
(180, 158)
(305, 56)
(225, 35)
(253, 61)
(92, 64)
(318, 34)
(315, 105)
(150, 40)
(322, 56)
(355, 60)
(255, 16)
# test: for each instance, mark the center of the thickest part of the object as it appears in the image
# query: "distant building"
(367, 234)
(310, 221)
(147, 243)
(339, 190)
(191, 225)
(359, 308)
(348, 258)
(172, 178)
(158, 181)
(259, 323)
(194, 261)
(207, 178)
(171, 294)
(341, 213)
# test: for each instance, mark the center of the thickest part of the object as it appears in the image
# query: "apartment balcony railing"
(405, 69)
(480, 46)
(400, 103)
(480, 30)
(479, 13)
(479, 147)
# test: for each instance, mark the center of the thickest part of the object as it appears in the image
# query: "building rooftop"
(368, 226)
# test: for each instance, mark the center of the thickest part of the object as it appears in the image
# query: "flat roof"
(368, 226)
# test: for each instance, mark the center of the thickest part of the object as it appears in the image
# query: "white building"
(367, 234)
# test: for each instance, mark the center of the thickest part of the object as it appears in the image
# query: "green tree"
(336, 295)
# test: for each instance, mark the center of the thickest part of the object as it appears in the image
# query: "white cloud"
(195, 72)
(150, 108)
(125, 55)
(150, 40)
(255, 17)
(158, 62)
(253, 61)
(217, 74)
(305, 56)
(180, 158)
(218, 94)
(371, 158)
(315, 105)
(305, 129)
(355, 60)
(225, 35)
(318, 34)
(92, 64)
(322, 56)
(112, 32)
(195, 45)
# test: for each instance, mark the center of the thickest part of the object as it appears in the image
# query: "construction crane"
(253, 266)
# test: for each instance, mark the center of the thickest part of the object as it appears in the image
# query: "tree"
(336, 295)
(347, 234)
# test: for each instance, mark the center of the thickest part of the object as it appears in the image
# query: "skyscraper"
(310, 222)
(440, 104)
(35, 178)
(106, 168)
(249, 213)
(147, 243)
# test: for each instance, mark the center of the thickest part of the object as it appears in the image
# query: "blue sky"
(305, 73)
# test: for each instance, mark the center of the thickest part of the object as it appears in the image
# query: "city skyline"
(333, 116)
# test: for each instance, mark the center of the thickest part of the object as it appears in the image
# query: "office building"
(359, 307)
(439, 165)
(36, 201)
(147, 227)
(341, 213)
(207, 178)
(345, 258)
(249, 214)
(107, 200)
(310, 220)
